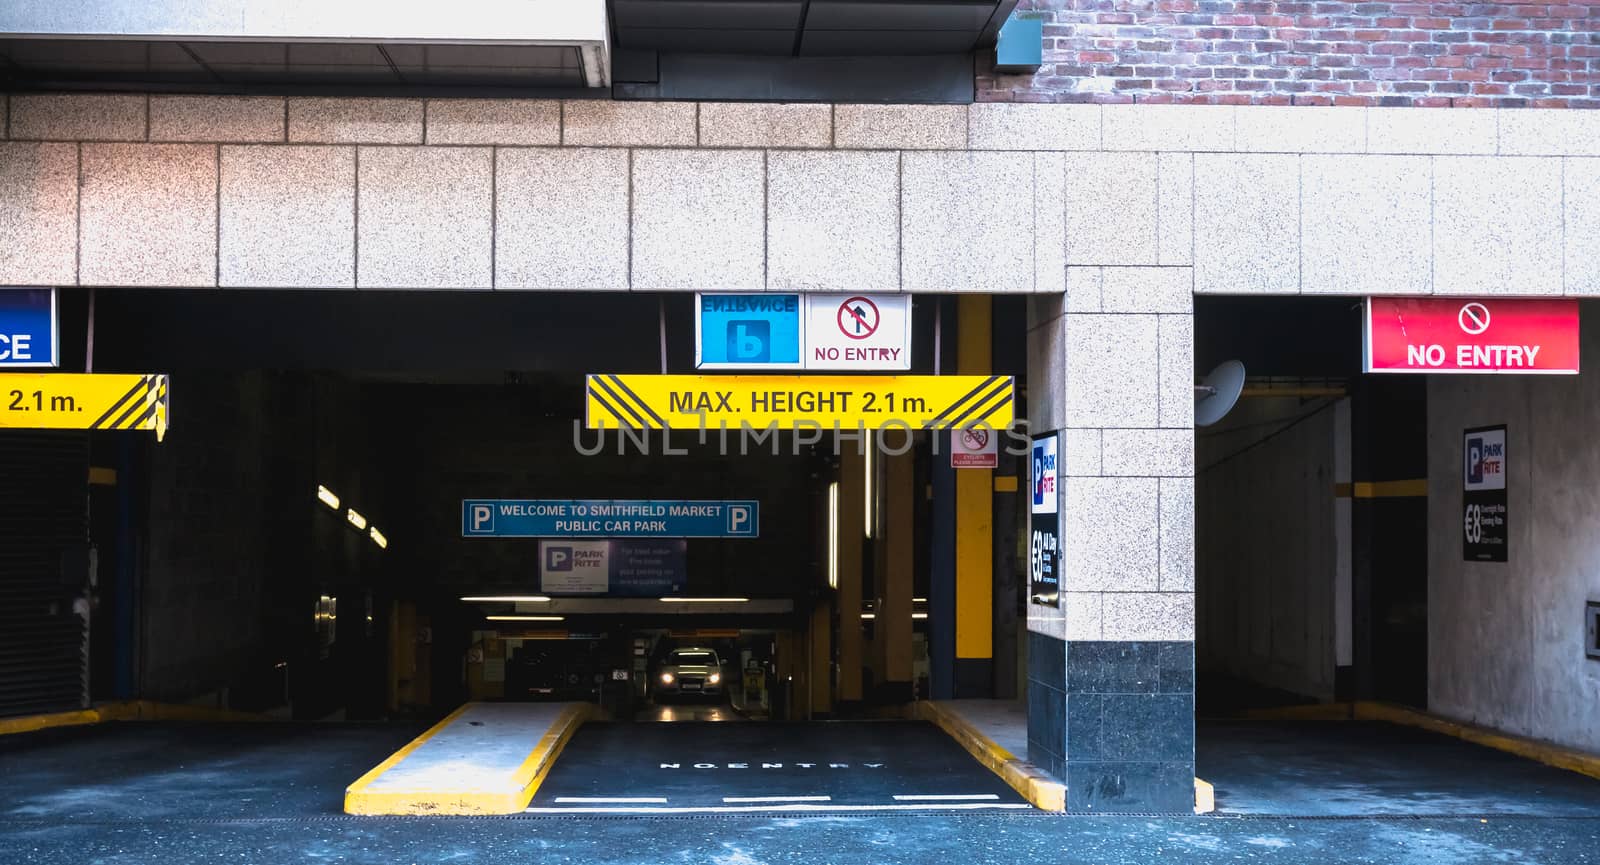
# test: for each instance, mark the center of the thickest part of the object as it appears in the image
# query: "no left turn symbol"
(858, 318)
(1473, 318)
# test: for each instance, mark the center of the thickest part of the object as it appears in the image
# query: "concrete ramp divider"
(1044, 792)
(483, 758)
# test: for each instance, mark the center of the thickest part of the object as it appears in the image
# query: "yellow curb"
(130, 710)
(359, 799)
(1042, 791)
(1547, 753)
(29, 723)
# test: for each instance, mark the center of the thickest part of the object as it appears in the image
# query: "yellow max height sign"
(691, 402)
(68, 401)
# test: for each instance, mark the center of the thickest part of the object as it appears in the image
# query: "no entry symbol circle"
(1473, 318)
(858, 317)
(975, 439)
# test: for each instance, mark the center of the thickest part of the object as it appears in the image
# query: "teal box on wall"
(1020, 47)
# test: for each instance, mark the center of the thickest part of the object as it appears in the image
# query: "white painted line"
(746, 809)
(734, 800)
(610, 800)
(946, 798)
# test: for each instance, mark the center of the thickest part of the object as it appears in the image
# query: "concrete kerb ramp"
(1043, 791)
(482, 759)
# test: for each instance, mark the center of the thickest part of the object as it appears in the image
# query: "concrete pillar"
(819, 681)
(852, 532)
(891, 644)
(974, 502)
(1111, 669)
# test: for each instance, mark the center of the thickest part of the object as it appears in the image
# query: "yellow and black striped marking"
(90, 401)
(692, 402)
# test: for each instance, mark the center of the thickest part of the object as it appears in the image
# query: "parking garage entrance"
(304, 543)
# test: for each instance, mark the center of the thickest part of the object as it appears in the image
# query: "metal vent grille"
(43, 521)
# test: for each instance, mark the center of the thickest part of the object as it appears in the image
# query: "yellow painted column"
(852, 531)
(819, 682)
(974, 502)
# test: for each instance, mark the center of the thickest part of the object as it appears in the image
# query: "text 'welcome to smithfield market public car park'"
(965, 409)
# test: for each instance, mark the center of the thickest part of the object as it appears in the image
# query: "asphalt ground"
(270, 793)
(1361, 768)
(707, 767)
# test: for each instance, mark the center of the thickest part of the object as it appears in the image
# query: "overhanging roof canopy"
(508, 44)
(809, 28)
(504, 43)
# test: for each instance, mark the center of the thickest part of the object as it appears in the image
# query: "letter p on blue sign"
(749, 340)
(480, 518)
(741, 520)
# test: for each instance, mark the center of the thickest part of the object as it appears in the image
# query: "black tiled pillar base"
(1115, 721)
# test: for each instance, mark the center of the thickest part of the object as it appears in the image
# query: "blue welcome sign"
(741, 331)
(609, 518)
(28, 328)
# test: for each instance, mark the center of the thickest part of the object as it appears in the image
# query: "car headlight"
(714, 678)
(666, 678)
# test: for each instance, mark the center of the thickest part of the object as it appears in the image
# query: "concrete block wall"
(1435, 54)
(1111, 669)
(235, 192)
(1111, 217)
(1506, 639)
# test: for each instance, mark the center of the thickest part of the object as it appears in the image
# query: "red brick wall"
(1311, 53)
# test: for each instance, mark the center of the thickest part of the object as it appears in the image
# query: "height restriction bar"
(691, 402)
(88, 401)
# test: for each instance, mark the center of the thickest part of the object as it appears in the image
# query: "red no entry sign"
(1467, 335)
(858, 317)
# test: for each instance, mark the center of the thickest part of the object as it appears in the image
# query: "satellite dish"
(1215, 395)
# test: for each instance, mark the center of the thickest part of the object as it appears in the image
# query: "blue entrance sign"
(741, 331)
(28, 327)
(608, 518)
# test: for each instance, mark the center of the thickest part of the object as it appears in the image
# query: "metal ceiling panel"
(884, 43)
(960, 15)
(760, 42)
(709, 14)
(831, 27)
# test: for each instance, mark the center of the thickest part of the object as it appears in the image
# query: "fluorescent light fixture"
(869, 615)
(705, 600)
(526, 618)
(327, 497)
(506, 599)
(378, 538)
(833, 535)
(919, 615)
(919, 600)
(356, 519)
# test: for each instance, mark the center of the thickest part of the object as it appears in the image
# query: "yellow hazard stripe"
(608, 398)
(1407, 489)
(125, 403)
(759, 402)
